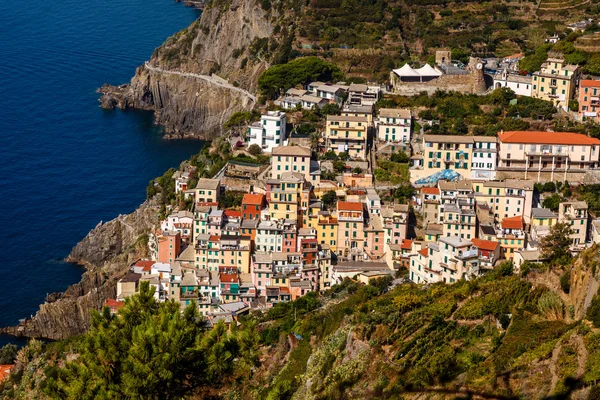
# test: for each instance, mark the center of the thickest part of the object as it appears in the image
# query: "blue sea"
(67, 164)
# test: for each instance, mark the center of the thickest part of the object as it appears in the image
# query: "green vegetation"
(459, 113)
(555, 245)
(302, 71)
(231, 199)
(150, 350)
(8, 354)
(242, 118)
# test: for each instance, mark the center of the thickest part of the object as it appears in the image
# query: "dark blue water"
(67, 164)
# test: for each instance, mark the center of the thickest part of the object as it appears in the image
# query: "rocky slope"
(106, 252)
(192, 82)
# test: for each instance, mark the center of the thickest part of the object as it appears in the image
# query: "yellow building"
(327, 230)
(347, 134)
(511, 236)
(507, 198)
(212, 252)
(442, 152)
(555, 82)
(286, 197)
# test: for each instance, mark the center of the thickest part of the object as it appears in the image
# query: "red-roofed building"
(232, 214)
(589, 100)
(252, 204)
(422, 268)
(142, 265)
(230, 286)
(113, 305)
(547, 155)
(489, 251)
(5, 371)
(511, 236)
(309, 249)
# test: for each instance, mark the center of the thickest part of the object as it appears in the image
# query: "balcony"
(468, 253)
(189, 295)
(548, 152)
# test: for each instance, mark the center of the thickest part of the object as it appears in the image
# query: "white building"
(269, 132)
(484, 158)
(181, 221)
(269, 237)
(519, 84)
(394, 125)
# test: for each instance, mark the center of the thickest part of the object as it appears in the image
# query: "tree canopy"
(555, 245)
(300, 71)
(151, 350)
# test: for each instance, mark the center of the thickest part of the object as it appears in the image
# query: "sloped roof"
(513, 222)
(406, 70)
(488, 245)
(428, 70)
(589, 83)
(349, 206)
(533, 137)
(256, 199)
(430, 190)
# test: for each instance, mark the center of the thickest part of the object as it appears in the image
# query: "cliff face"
(200, 76)
(106, 252)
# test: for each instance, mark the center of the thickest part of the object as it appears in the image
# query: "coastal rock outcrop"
(198, 77)
(106, 252)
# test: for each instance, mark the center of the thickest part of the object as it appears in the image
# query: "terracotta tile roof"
(256, 199)
(428, 190)
(488, 245)
(5, 371)
(144, 263)
(233, 213)
(567, 138)
(406, 244)
(228, 278)
(214, 238)
(147, 268)
(589, 83)
(513, 222)
(112, 303)
(284, 290)
(207, 203)
(349, 206)
(424, 252)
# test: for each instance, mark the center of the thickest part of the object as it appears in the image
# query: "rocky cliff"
(106, 252)
(201, 75)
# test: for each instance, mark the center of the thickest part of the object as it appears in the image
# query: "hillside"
(499, 336)
(198, 77)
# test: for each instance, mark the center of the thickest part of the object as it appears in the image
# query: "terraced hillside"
(589, 43)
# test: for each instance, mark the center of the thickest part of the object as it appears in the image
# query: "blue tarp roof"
(445, 175)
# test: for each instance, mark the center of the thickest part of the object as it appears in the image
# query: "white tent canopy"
(428, 70)
(406, 71)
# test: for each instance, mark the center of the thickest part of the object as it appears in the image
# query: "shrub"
(565, 282)
(254, 149)
(551, 305)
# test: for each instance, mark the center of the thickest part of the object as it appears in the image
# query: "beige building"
(555, 82)
(442, 152)
(394, 125)
(128, 285)
(293, 159)
(430, 204)
(207, 190)
(507, 198)
(575, 213)
(347, 134)
(354, 110)
(546, 155)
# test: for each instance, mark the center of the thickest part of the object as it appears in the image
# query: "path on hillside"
(210, 79)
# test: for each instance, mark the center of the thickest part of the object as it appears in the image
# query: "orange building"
(589, 100)
(169, 247)
(252, 204)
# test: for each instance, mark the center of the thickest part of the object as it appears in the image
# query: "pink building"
(169, 247)
(589, 100)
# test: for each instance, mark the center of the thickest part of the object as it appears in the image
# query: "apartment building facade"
(394, 125)
(589, 100)
(269, 132)
(546, 155)
(555, 82)
(347, 134)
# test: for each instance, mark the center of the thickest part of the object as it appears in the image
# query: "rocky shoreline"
(106, 252)
(217, 46)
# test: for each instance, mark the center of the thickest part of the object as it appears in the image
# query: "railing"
(189, 295)
(468, 254)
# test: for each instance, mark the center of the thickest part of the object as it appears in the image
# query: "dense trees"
(151, 350)
(301, 71)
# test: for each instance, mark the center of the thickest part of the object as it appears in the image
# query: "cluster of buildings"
(542, 156)
(470, 225)
(318, 94)
(278, 246)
